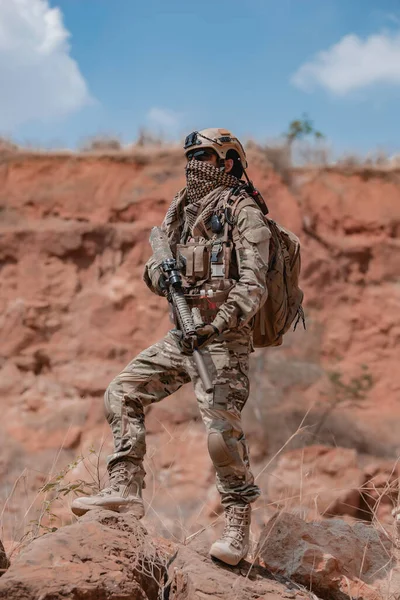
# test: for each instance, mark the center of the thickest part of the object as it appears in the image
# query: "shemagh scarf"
(201, 196)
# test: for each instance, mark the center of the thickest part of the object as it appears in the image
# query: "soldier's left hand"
(205, 335)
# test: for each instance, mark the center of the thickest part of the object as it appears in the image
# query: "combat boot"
(123, 494)
(233, 545)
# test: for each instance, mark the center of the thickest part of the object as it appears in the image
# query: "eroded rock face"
(74, 311)
(331, 557)
(318, 480)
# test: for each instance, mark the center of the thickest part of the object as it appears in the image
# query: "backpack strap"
(232, 201)
(282, 246)
(263, 322)
(242, 201)
(288, 268)
(235, 200)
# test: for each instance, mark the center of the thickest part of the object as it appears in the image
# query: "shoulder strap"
(274, 228)
(240, 199)
(242, 202)
(286, 257)
(239, 202)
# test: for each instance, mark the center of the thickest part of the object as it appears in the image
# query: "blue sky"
(175, 66)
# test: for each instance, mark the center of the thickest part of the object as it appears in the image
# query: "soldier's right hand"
(186, 344)
(205, 335)
(162, 284)
(158, 283)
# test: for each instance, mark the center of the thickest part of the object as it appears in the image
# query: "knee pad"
(219, 451)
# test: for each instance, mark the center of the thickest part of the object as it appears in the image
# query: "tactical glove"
(155, 280)
(205, 335)
(158, 283)
(162, 284)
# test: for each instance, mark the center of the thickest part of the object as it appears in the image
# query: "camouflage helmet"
(219, 140)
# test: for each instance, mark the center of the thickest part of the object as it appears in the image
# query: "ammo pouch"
(202, 264)
(194, 260)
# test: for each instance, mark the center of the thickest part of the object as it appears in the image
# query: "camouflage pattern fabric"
(252, 250)
(161, 370)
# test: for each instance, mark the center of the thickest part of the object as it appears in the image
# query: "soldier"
(222, 242)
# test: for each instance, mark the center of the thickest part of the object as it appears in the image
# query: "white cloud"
(352, 64)
(164, 118)
(38, 77)
(393, 17)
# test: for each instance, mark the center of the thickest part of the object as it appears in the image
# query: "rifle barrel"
(202, 371)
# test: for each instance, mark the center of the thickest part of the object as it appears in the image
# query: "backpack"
(283, 303)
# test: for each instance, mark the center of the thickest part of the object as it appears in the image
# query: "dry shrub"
(349, 161)
(314, 154)
(280, 159)
(101, 144)
(284, 156)
(7, 145)
(378, 159)
(148, 138)
(394, 161)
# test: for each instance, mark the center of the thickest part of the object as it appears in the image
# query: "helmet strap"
(255, 194)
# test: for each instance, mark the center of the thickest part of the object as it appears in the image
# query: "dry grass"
(43, 507)
(60, 487)
(376, 495)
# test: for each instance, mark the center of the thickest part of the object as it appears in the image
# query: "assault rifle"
(163, 257)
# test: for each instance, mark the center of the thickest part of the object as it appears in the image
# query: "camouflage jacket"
(250, 238)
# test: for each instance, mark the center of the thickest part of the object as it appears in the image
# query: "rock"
(332, 558)
(108, 556)
(4, 564)
(317, 480)
(104, 555)
(194, 576)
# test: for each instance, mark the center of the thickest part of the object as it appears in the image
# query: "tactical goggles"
(203, 155)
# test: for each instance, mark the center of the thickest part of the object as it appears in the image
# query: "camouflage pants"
(161, 370)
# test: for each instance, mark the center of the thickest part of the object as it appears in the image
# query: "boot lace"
(237, 519)
(120, 475)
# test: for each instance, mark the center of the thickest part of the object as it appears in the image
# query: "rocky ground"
(323, 414)
(109, 556)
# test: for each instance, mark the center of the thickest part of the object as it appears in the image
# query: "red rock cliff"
(74, 311)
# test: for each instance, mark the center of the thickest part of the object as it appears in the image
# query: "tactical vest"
(210, 270)
(208, 266)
